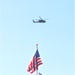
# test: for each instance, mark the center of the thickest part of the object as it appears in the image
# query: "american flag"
(35, 62)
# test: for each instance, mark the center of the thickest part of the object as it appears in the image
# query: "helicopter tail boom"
(34, 21)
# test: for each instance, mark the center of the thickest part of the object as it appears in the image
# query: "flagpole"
(36, 46)
(37, 67)
(37, 72)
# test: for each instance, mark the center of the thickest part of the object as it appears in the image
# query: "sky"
(19, 36)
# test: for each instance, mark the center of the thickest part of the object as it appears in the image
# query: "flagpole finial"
(36, 44)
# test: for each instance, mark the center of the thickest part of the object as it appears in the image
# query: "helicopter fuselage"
(39, 21)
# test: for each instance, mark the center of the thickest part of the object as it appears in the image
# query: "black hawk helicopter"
(39, 20)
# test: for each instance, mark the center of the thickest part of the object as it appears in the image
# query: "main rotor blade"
(36, 19)
(46, 19)
(40, 17)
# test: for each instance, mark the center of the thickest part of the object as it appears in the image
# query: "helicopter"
(39, 20)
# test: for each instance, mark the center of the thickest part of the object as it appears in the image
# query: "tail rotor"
(33, 21)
